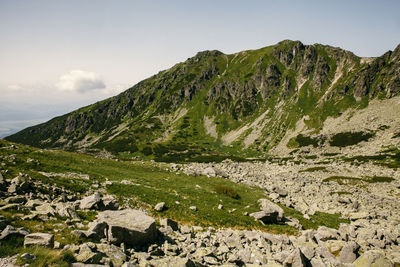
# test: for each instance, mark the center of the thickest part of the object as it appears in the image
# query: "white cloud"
(15, 87)
(80, 81)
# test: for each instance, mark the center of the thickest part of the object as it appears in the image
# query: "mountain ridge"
(226, 103)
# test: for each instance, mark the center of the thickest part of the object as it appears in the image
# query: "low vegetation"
(349, 138)
(314, 169)
(354, 180)
(226, 190)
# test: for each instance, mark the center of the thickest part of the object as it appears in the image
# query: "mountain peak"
(214, 101)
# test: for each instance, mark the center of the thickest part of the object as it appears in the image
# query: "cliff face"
(219, 102)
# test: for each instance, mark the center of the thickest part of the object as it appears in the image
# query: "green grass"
(389, 158)
(355, 180)
(47, 257)
(303, 140)
(227, 190)
(314, 169)
(151, 184)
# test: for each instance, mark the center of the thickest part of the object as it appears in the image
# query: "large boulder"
(39, 239)
(11, 231)
(91, 202)
(109, 202)
(116, 254)
(349, 252)
(372, 259)
(45, 209)
(296, 259)
(270, 207)
(132, 227)
(265, 217)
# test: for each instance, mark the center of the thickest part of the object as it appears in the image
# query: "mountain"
(275, 99)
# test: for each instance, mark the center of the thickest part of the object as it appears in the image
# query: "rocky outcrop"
(39, 239)
(132, 227)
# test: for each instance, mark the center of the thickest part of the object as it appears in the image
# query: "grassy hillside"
(222, 105)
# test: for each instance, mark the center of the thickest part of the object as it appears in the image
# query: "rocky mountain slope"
(275, 99)
(60, 208)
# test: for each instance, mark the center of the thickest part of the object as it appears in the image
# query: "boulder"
(39, 239)
(209, 171)
(86, 255)
(45, 209)
(173, 261)
(266, 217)
(349, 252)
(115, 253)
(159, 206)
(296, 259)
(280, 191)
(270, 207)
(33, 203)
(10, 231)
(15, 199)
(132, 227)
(372, 259)
(91, 202)
(325, 233)
(109, 203)
(168, 222)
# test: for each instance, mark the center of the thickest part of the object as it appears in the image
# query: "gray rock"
(91, 202)
(109, 203)
(28, 257)
(10, 231)
(266, 217)
(15, 199)
(39, 239)
(128, 226)
(173, 261)
(79, 264)
(33, 203)
(86, 255)
(372, 259)
(209, 171)
(159, 206)
(325, 233)
(317, 263)
(10, 207)
(45, 209)
(280, 191)
(194, 208)
(296, 259)
(116, 254)
(168, 222)
(270, 207)
(348, 254)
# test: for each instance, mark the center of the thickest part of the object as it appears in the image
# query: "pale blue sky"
(59, 55)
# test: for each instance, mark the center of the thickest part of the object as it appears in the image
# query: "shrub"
(68, 256)
(226, 190)
(349, 138)
(147, 150)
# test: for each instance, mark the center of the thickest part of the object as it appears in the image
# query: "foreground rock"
(131, 227)
(39, 239)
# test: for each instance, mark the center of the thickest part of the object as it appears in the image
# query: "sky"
(56, 56)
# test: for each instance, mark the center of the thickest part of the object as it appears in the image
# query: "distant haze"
(56, 56)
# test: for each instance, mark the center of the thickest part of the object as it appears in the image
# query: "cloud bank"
(80, 81)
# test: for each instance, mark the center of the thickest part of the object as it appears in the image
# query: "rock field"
(120, 236)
